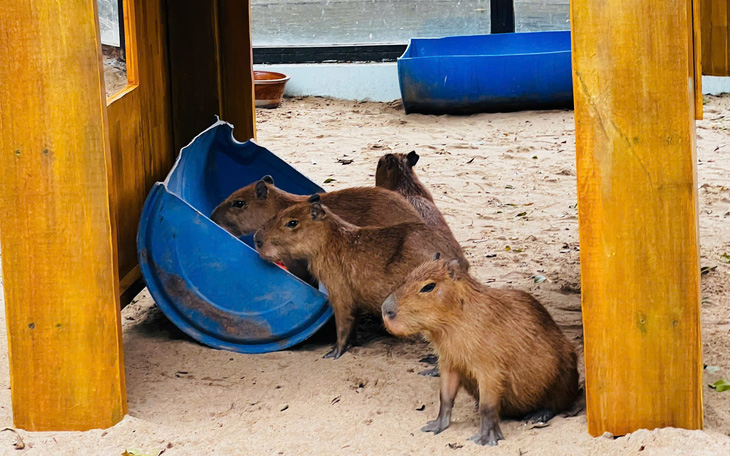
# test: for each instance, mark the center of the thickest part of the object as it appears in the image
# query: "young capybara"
(501, 345)
(359, 266)
(395, 172)
(248, 208)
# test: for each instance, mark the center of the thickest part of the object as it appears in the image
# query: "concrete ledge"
(379, 81)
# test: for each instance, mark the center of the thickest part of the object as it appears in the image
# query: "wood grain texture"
(211, 67)
(56, 225)
(715, 25)
(140, 126)
(236, 67)
(637, 195)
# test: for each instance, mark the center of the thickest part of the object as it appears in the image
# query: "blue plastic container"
(210, 284)
(487, 73)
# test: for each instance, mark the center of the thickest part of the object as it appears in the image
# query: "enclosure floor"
(501, 180)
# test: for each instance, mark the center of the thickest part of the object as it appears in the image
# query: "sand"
(501, 180)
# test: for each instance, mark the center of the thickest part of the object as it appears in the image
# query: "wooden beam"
(236, 63)
(715, 26)
(211, 67)
(637, 195)
(56, 224)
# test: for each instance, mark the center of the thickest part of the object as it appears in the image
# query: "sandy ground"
(485, 171)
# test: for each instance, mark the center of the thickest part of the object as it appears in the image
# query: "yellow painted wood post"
(56, 224)
(640, 274)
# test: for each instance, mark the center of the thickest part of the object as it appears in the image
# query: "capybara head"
(426, 299)
(248, 208)
(393, 168)
(295, 232)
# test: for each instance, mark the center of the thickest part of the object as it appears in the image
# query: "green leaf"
(328, 180)
(510, 187)
(534, 157)
(134, 453)
(508, 248)
(720, 386)
(522, 214)
(725, 258)
(540, 278)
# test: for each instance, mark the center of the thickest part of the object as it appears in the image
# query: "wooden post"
(715, 24)
(635, 143)
(56, 226)
(211, 67)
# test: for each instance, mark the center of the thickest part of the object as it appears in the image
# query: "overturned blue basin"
(210, 284)
(487, 73)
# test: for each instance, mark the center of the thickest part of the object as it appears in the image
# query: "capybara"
(395, 172)
(359, 266)
(501, 345)
(248, 208)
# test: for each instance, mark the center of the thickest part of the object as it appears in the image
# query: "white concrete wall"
(379, 81)
(348, 81)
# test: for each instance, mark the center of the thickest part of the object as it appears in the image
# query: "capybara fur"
(502, 346)
(395, 172)
(248, 208)
(359, 266)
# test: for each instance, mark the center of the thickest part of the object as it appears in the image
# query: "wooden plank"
(236, 67)
(140, 127)
(697, 58)
(715, 26)
(211, 67)
(193, 68)
(637, 196)
(56, 224)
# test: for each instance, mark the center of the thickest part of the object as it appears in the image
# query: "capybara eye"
(238, 204)
(292, 223)
(428, 288)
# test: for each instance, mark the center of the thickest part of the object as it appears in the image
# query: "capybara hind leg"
(450, 381)
(345, 322)
(540, 416)
(489, 431)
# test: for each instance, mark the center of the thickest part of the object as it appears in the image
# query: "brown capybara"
(395, 172)
(248, 208)
(359, 266)
(501, 345)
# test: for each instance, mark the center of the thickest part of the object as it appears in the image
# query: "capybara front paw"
(541, 416)
(488, 437)
(335, 353)
(436, 426)
(433, 372)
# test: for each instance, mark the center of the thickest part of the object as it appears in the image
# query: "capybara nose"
(389, 307)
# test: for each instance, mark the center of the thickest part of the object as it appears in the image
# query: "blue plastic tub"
(487, 73)
(209, 283)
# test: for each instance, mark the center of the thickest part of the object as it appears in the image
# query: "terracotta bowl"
(269, 88)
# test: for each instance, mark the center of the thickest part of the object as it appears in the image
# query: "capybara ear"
(314, 198)
(268, 179)
(318, 212)
(455, 269)
(437, 256)
(389, 160)
(262, 191)
(412, 158)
